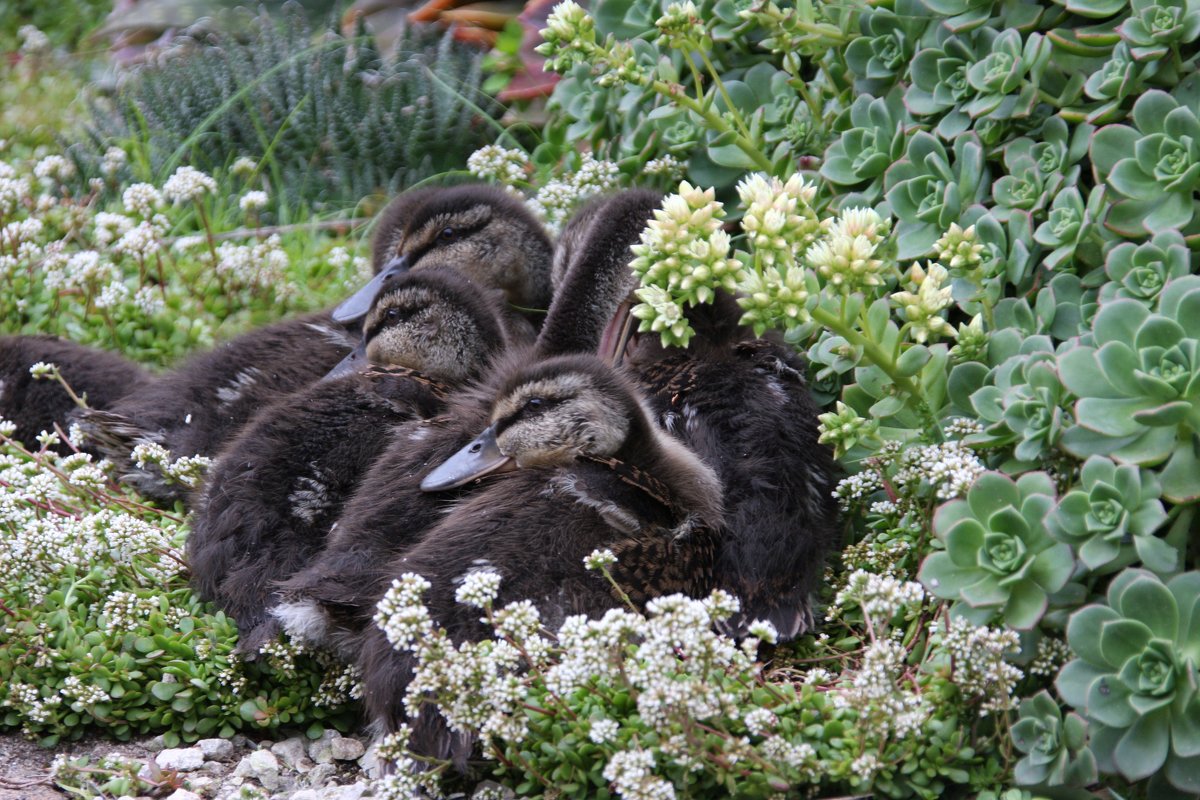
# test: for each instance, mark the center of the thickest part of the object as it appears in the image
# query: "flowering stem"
(733, 110)
(714, 120)
(872, 351)
(208, 232)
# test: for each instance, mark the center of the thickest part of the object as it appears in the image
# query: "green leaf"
(1143, 749)
(1026, 605)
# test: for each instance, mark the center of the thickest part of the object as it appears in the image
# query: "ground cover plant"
(976, 219)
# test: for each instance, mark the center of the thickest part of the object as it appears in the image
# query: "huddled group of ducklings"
(432, 423)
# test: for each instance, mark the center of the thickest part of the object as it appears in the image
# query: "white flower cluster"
(142, 199)
(340, 683)
(857, 487)
(187, 470)
(82, 695)
(142, 240)
(880, 597)
(257, 266)
(497, 163)
(114, 159)
(682, 258)
(603, 731)
(667, 166)
(631, 773)
(54, 168)
(28, 701)
(921, 310)
(14, 192)
(126, 612)
(883, 704)
(779, 219)
(478, 588)
(187, 184)
(950, 468)
(980, 669)
(243, 166)
(107, 227)
(847, 256)
(33, 39)
(253, 201)
(557, 199)
(962, 427)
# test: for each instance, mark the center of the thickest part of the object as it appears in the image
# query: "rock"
(215, 768)
(155, 743)
(183, 794)
(320, 749)
(369, 763)
(180, 759)
(291, 752)
(352, 791)
(321, 774)
(262, 766)
(240, 741)
(199, 783)
(306, 794)
(346, 749)
(216, 749)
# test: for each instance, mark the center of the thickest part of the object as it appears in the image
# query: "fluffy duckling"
(577, 464)
(97, 376)
(478, 229)
(741, 402)
(268, 502)
(336, 595)
(196, 408)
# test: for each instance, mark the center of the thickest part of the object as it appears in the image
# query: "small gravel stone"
(180, 759)
(352, 791)
(262, 766)
(216, 749)
(306, 794)
(347, 749)
(183, 794)
(369, 763)
(291, 752)
(321, 774)
(320, 750)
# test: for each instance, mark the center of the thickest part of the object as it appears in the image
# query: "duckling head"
(437, 323)
(482, 231)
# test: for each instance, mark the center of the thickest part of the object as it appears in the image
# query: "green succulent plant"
(1140, 271)
(1118, 78)
(1137, 676)
(999, 559)
(1110, 518)
(1006, 79)
(1155, 26)
(928, 190)
(1024, 406)
(1069, 225)
(881, 55)
(1055, 746)
(875, 138)
(1139, 388)
(938, 82)
(1154, 164)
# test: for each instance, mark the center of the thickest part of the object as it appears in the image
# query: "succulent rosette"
(1055, 746)
(1136, 678)
(928, 189)
(999, 559)
(1139, 387)
(1140, 271)
(1111, 516)
(1155, 165)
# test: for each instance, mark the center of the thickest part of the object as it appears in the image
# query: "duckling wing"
(746, 410)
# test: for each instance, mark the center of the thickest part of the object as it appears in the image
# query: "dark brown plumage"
(268, 502)
(196, 408)
(593, 471)
(97, 376)
(335, 597)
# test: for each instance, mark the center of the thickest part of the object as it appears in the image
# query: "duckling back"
(37, 405)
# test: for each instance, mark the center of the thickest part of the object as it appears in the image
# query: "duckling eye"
(535, 404)
(393, 313)
(447, 234)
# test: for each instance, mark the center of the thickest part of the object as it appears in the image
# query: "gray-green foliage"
(332, 119)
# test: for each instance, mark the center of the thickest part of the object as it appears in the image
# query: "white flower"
(253, 201)
(188, 184)
(141, 242)
(667, 165)
(33, 40)
(338, 257)
(112, 295)
(603, 730)
(497, 163)
(599, 559)
(55, 168)
(243, 166)
(114, 159)
(43, 369)
(478, 588)
(142, 199)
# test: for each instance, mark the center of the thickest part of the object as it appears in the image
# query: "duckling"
(269, 500)
(742, 404)
(196, 408)
(577, 464)
(97, 376)
(336, 595)
(481, 230)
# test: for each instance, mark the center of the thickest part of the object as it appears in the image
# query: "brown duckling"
(577, 464)
(96, 376)
(268, 502)
(336, 595)
(196, 408)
